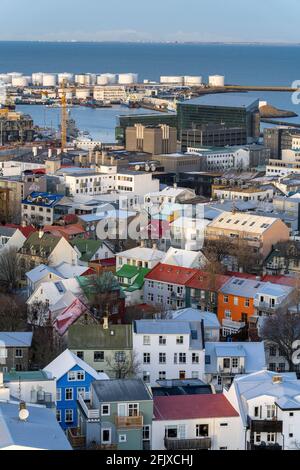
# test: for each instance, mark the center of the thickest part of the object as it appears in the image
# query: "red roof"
(27, 230)
(205, 281)
(241, 275)
(65, 230)
(171, 274)
(193, 407)
(283, 280)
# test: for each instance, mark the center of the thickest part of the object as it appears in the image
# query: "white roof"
(184, 258)
(243, 222)
(65, 362)
(143, 254)
(254, 353)
(68, 270)
(192, 314)
(170, 191)
(39, 272)
(40, 431)
(54, 290)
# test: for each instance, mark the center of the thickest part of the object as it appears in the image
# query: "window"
(146, 377)
(98, 356)
(58, 415)
(291, 414)
(150, 297)
(226, 363)
(179, 340)
(146, 358)
(133, 409)
(258, 437)
(162, 340)
(162, 375)
(207, 359)
(146, 340)
(223, 424)
(227, 313)
(105, 410)
(182, 358)
(19, 353)
(195, 358)
(247, 302)
(120, 356)
(235, 362)
(71, 376)
(69, 416)
(270, 411)
(272, 350)
(106, 436)
(69, 394)
(80, 392)
(201, 430)
(271, 437)
(225, 299)
(162, 358)
(122, 438)
(171, 432)
(80, 375)
(146, 433)
(58, 394)
(235, 300)
(80, 354)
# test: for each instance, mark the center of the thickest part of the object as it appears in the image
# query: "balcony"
(200, 443)
(91, 413)
(263, 446)
(265, 425)
(266, 306)
(76, 439)
(231, 371)
(129, 421)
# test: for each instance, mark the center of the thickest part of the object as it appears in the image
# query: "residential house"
(269, 406)
(117, 416)
(211, 324)
(196, 422)
(188, 232)
(140, 256)
(101, 348)
(91, 250)
(165, 286)
(168, 349)
(14, 350)
(260, 232)
(283, 259)
(42, 208)
(184, 258)
(38, 431)
(225, 360)
(169, 195)
(73, 377)
(202, 290)
(11, 237)
(132, 279)
(69, 232)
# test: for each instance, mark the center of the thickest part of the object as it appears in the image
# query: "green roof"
(87, 248)
(94, 337)
(25, 376)
(129, 272)
(47, 243)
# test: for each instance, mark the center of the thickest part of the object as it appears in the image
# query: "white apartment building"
(223, 158)
(140, 256)
(269, 405)
(244, 194)
(289, 163)
(169, 195)
(168, 349)
(109, 93)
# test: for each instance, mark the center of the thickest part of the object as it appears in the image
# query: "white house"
(169, 195)
(196, 422)
(168, 349)
(140, 256)
(269, 406)
(11, 237)
(184, 258)
(223, 361)
(210, 320)
(188, 232)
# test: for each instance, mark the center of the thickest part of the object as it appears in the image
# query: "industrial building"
(153, 140)
(229, 109)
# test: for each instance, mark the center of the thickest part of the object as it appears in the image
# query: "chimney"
(142, 243)
(175, 185)
(41, 233)
(34, 151)
(49, 153)
(154, 246)
(105, 323)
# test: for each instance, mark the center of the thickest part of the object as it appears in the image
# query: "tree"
(38, 313)
(247, 260)
(46, 345)
(282, 329)
(217, 250)
(12, 313)
(10, 269)
(123, 365)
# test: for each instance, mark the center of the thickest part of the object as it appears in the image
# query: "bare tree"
(247, 260)
(12, 313)
(38, 313)
(217, 250)
(282, 329)
(124, 364)
(10, 269)
(46, 345)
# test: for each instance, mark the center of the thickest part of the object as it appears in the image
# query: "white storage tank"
(37, 78)
(216, 80)
(83, 93)
(172, 80)
(15, 74)
(112, 78)
(66, 77)
(128, 78)
(5, 78)
(102, 80)
(192, 80)
(49, 80)
(20, 82)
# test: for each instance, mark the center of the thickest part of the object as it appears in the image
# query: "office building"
(153, 140)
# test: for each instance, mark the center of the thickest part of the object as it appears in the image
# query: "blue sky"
(151, 20)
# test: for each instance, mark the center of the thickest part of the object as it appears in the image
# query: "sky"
(151, 20)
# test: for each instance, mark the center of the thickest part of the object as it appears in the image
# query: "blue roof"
(42, 199)
(226, 100)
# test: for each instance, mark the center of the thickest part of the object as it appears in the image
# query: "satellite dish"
(137, 167)
(152, 167)
(23, 414)
(147, 167)
(93, 228)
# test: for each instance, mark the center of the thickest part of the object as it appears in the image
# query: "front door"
(122, 409)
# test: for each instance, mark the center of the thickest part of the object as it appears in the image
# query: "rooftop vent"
(277, 379)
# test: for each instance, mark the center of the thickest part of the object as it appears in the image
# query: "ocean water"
(241, 64)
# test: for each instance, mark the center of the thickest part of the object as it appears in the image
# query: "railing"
(76, 439)
(129, 421)
(263, 446)
(231, 370)
(201, 443)
(265, 305)
(266, 425)
(90, 413)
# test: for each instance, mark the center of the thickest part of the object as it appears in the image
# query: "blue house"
(73, 377)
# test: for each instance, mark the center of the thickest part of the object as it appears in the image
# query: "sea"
(242, 64)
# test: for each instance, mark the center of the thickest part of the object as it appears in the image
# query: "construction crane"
(64, 117)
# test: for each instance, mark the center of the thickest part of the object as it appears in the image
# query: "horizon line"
(174, 42)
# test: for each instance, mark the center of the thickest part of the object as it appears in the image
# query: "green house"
(117, 415)
(131, 278)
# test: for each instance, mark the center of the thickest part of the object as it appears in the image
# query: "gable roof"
(26, 231)
(206, 281)
(254, 354)
(192, 407)
(65, 362)
(47, 243)
(121, 390)
(192, 314)
(244, 222)
(184, 258)
(96, 337)
(88, 248)
(143, 253)
(171, 274)
(15, 339)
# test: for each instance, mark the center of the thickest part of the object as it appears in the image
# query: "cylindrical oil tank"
(49, 79)
(192, 80)
(216, 80)
(102, 80)
(80, 79)
(5, 78)
(128, 78)
(112, 77)
(20, 82)
(172, 80)
(37, 78)
(83, 93)
(15, 74)
(66, 77)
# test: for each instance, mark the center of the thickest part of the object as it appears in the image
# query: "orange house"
(236, 302)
